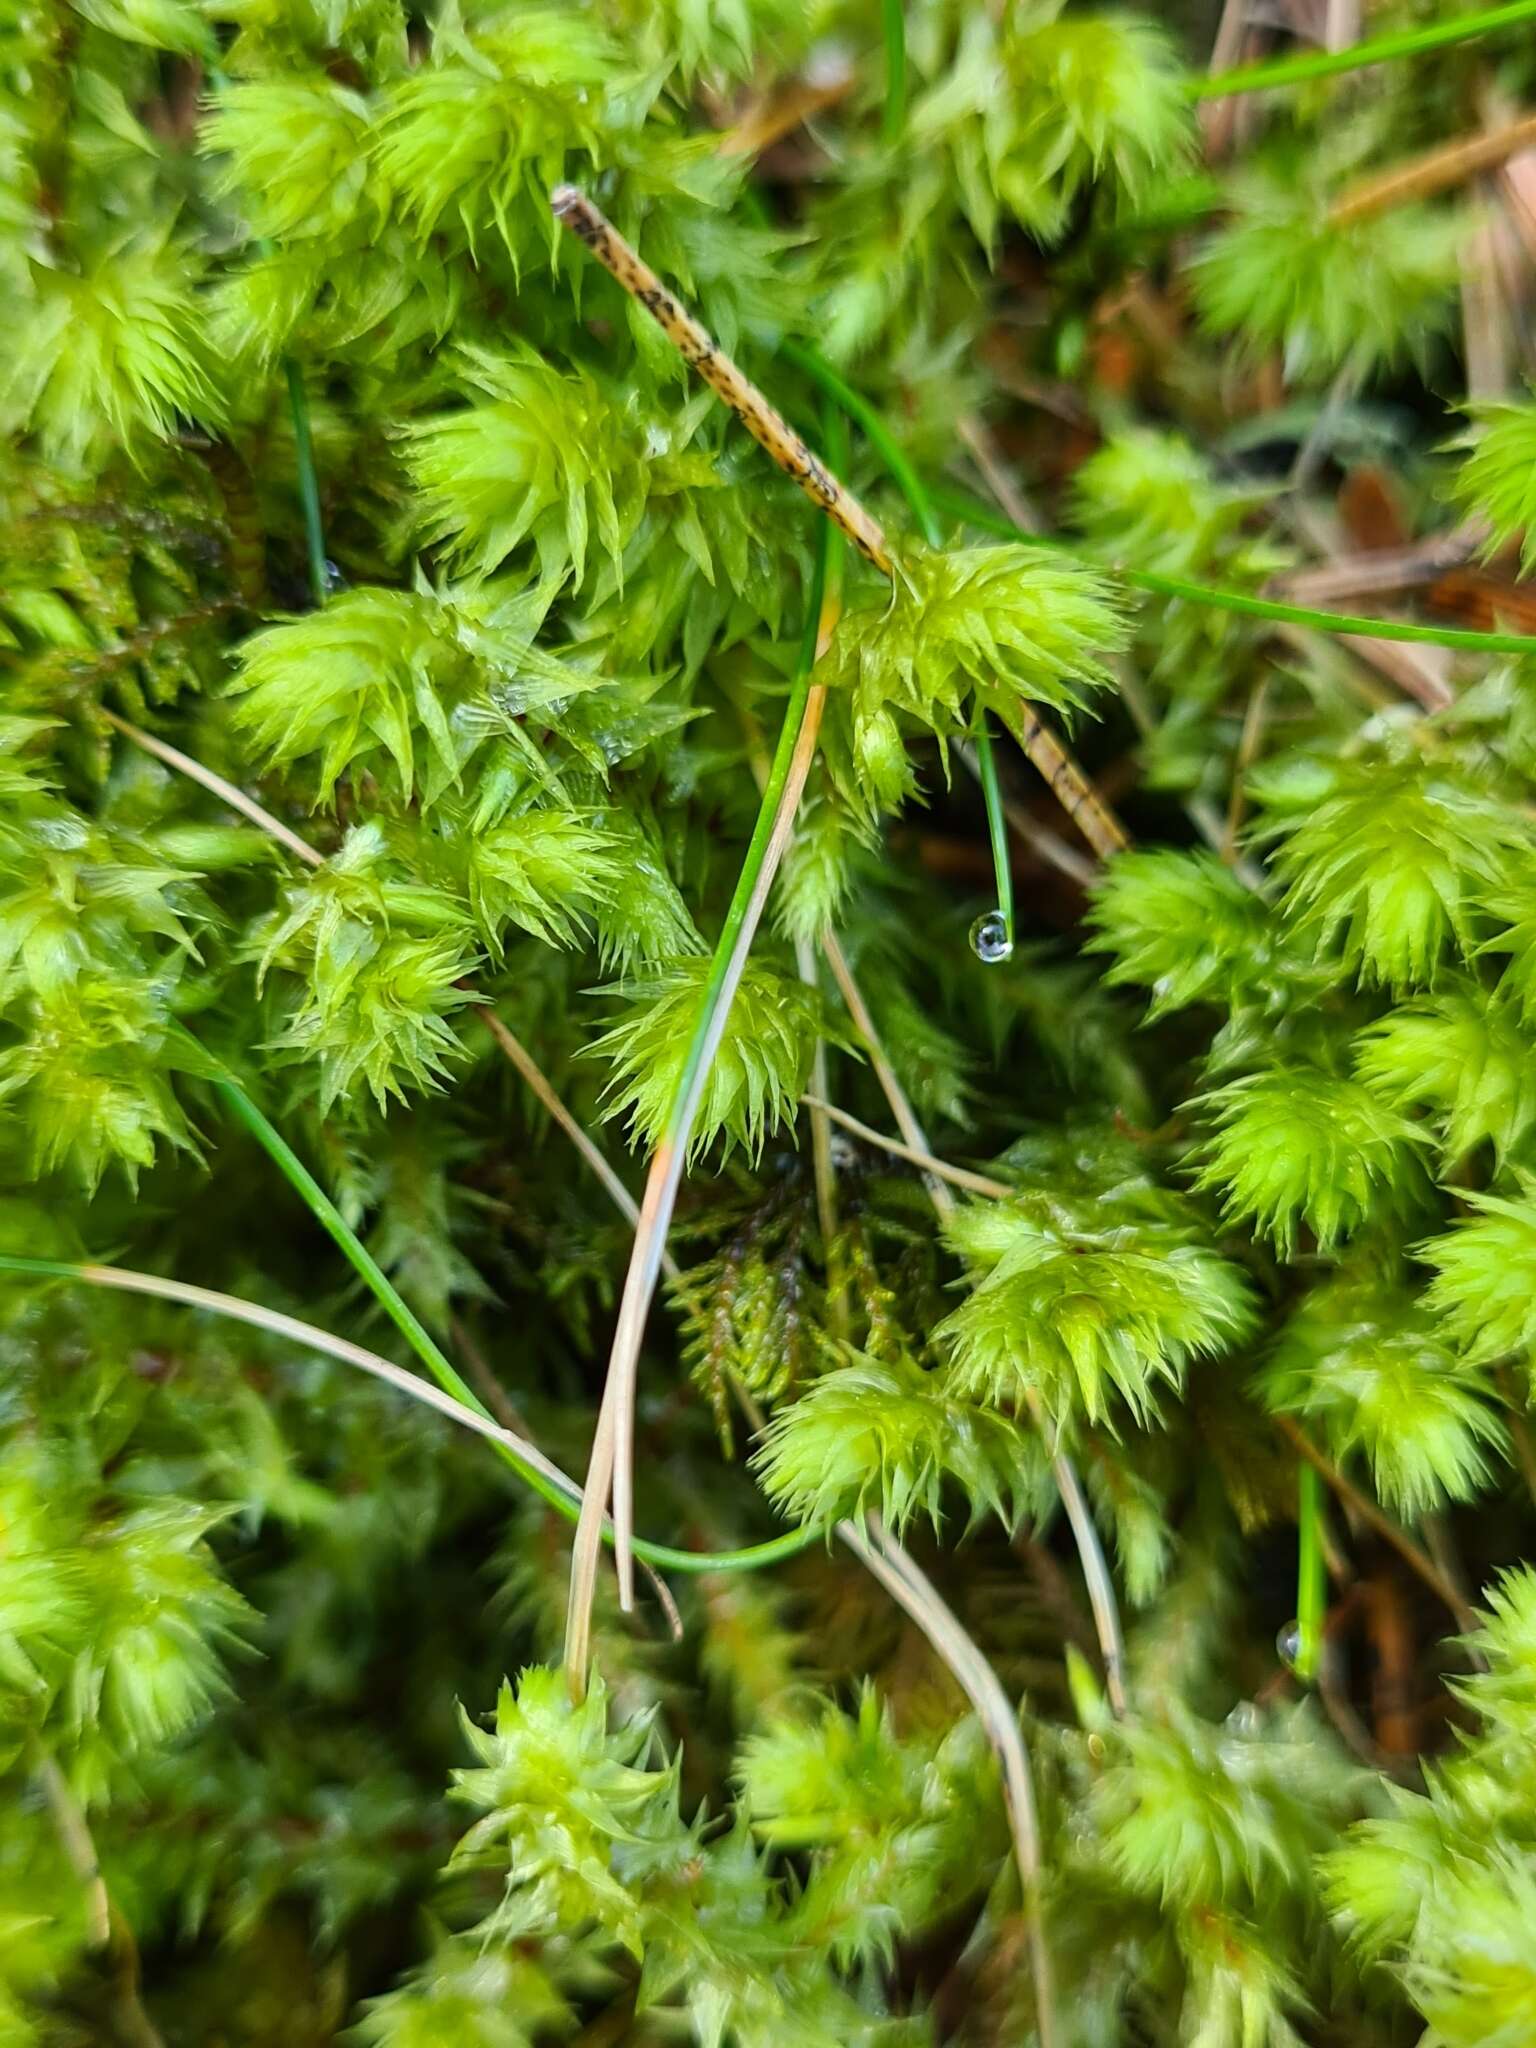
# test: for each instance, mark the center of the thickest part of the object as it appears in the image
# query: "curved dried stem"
(545, 1477)
(1101, 1590)
(906, 1120)
(276, 1324)
(823, 1171)
(325, 1211)
(611, 1464)
(611, 1468)
(958, 1176)
(531, 1072)
(75, 1839)
(913, 1590)
(890, 1565)
(226, 792)
(105, 1927)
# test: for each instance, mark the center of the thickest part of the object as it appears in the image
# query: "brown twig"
(501, 1405)
(1200, 811)
(773, 433)
(492, 1392)
(533, 1074)
(771, 119)
(216, 785)
(75, 1839)
(1437, 171)
(1218, 118)
(1486, 335)
(1247, 750)
(823, 1170)
(763, 421)
(1071, 788)
(106, 1931)
(1377, 569)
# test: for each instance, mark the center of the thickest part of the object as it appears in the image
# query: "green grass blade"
(1344, 623)
(1283, 71)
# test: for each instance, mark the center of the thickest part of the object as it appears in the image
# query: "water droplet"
(1288, 1645)
(989, 938)
(334, 580)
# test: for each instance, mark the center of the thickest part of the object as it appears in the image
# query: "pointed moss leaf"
(1484, 1289)
(156, 24)
(1501, 1687)
(370, 682)
(1512, 912)
(91, 1081)
(1002, 624)
(756, 1077)
(1298, 1146)
(467, 1993)
(44, 1612)
(163, 1614)
(1497, 481)
(1035, 108)
(1392, 869)
(884, 1434)
(407, 686)
(1238, 1979)
(110, 357)
(722, 37)
(894, 1827)
(561, 1796)
(1123, 1481)
(1150, 500)
(1362, 1360)
(294, 152)
(1478, 1989)
(1182, 925)
(643, 919)
(371, 968)
(1465, 1058)
(1083, 1311)
(814, 878)
(1284, 276)
(1437, 1887)
(476, 138)
(1210, 1815)
(548, 872)
(385, 1021)
(540, 457)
